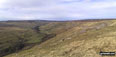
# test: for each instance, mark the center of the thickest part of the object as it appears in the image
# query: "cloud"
(57, 9)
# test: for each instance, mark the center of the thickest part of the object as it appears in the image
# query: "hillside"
(21, 35)
(73, 39)
(14, 36)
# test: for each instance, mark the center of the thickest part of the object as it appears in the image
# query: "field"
(57, 39)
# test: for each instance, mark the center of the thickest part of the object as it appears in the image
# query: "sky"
(57, 9)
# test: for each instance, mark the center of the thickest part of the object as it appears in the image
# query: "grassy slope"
(13, 34)
(85, 39)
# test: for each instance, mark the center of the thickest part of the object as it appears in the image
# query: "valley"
(85, 38)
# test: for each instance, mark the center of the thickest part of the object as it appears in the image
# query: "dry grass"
(85, 39)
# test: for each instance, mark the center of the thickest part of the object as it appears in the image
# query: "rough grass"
(15, 36)
(74, 39)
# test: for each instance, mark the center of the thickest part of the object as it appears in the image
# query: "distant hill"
(58, 39)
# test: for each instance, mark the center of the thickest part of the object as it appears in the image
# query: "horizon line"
(62, 20)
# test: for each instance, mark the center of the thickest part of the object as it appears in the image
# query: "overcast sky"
(56, 9)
